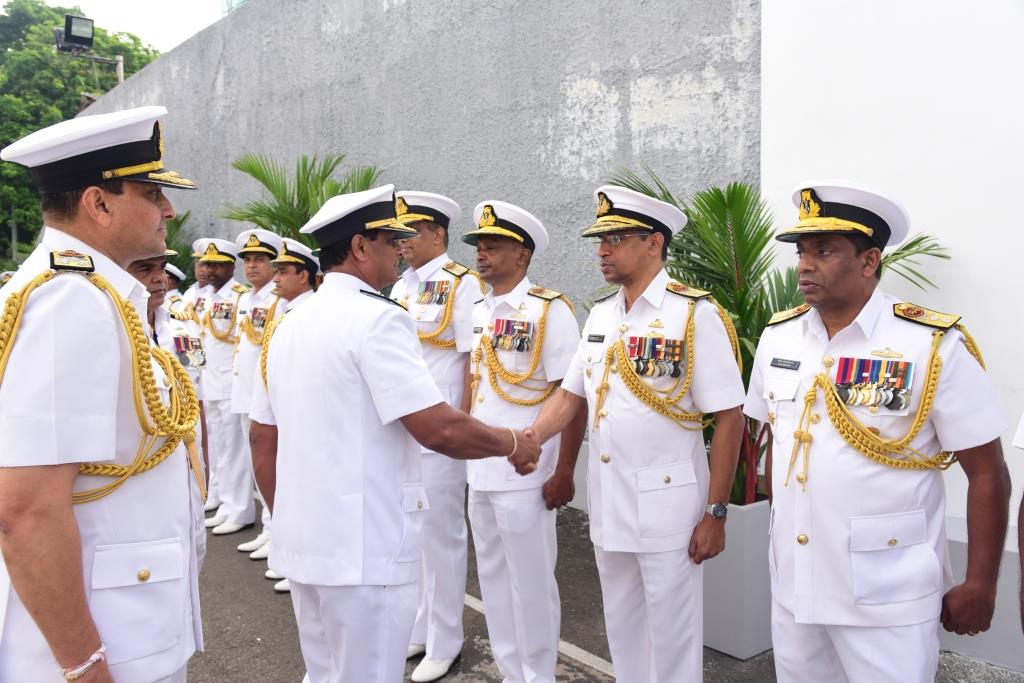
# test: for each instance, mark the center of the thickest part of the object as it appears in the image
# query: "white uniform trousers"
(354, 634)
(230, 459)
(443, 585)
(212, 488)
(516, 549)
(810, 653)
(181, 676)
(653, 614)
(265, 511)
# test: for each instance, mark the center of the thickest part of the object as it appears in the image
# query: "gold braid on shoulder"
(255, 336)
(174, 423)
(895, 453)
(228, 335)
(497, 373)
(268, 333)
(433, 338)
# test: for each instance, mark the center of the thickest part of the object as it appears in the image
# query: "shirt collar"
(514, 298)
(654, 294)
(428, 268)
(120, 279)
(265, 292)
(335, 280)
(226, 289)
(298, 300)
(864, 322)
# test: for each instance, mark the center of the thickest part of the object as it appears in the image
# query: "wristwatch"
(717, 510)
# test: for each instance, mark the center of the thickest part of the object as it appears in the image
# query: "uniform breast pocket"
(780, 393)
(138, 597)
(891, 559)
(414, 503)
(667, 499)
(426, 314)
(593, 365)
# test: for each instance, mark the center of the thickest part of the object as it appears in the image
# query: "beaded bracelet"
(76, 672)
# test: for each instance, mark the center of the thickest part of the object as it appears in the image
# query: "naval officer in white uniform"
(870, 398)
(655, 360)
(98, 579)
(439, 294)
(349, 392)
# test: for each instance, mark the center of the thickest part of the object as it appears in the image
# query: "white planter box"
(737, 588)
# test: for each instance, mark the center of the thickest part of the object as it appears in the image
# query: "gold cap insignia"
(604, 205)
(677, 287)
(401, 207)
(254, 241)
(810, 207)
(211, 250)
(656, 323)
(487, 218)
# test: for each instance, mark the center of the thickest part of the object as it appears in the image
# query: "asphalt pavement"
(251, 635)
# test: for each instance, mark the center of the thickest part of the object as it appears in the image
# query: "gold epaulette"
(544, 293)
(183, 315)
(455, 268)
(923, 316)
(174, 298)
(70, 260)
(789, 314)
(685, 290)
(241, 289)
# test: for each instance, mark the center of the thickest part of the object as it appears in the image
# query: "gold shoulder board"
(241, 289)
(789, 314)
(71, 260)
(544, 293)
(685, 290)
(923, 316)
(456, 269)
(174, 299)
(182, 315)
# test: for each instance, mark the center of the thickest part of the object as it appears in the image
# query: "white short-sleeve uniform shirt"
(864, 544)
(66, 397)
(498, 316)
(257, 307)
(342, 368)
(425, 292)
(647, 476)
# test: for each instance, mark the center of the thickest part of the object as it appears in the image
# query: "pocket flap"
(414, 498)
(130, 564)
(666, 476)
(777, 388)
(886, 532)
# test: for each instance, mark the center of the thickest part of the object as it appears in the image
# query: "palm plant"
(177, 240)
(728, 249)
(290, 201)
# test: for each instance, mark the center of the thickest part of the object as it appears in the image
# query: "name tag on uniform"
(785, 364)
(478, 329)
(595, 338)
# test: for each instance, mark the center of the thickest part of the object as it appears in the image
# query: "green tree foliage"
(39, 87)
(178, 240)
(290, 201)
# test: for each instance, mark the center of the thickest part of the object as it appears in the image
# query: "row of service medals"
(189, 351)
(512, 335)
(434, 292)
(656, 356)
(874, 383)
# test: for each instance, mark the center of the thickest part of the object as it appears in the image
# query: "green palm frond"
(179, 241)
(289, 201)
(904, 260)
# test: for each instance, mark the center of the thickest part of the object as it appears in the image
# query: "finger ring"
(973, 633)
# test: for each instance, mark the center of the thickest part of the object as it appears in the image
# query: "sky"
(159, 23)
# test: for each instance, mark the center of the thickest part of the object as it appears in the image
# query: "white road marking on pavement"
(568, 649)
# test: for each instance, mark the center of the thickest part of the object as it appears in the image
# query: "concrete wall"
(532, 102)
(913, 97)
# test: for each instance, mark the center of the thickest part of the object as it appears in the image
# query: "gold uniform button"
(873, 410)
(771, 417)
(668, 479)
(144, 575)
(419, 504)
(623, 327)
(801, 477)
(614, 368)
(588, 372)
(606, 458)
(815, 418)
(480, 399)
(603, 413)
(802, 539)
(771, 395)
(893, 542)
(827, 361)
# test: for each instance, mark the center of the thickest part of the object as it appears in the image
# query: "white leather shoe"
(216, 520)
(415, 651)
(283, 586)
(211, 504)
(261, 553)
(272, 575)
(431, 670)
(229, 528)
(255, 544)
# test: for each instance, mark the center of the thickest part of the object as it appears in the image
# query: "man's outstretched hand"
(527, 452)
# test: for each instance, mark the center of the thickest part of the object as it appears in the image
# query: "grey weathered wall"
(535, 102)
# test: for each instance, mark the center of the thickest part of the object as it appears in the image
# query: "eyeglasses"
(615, 239)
